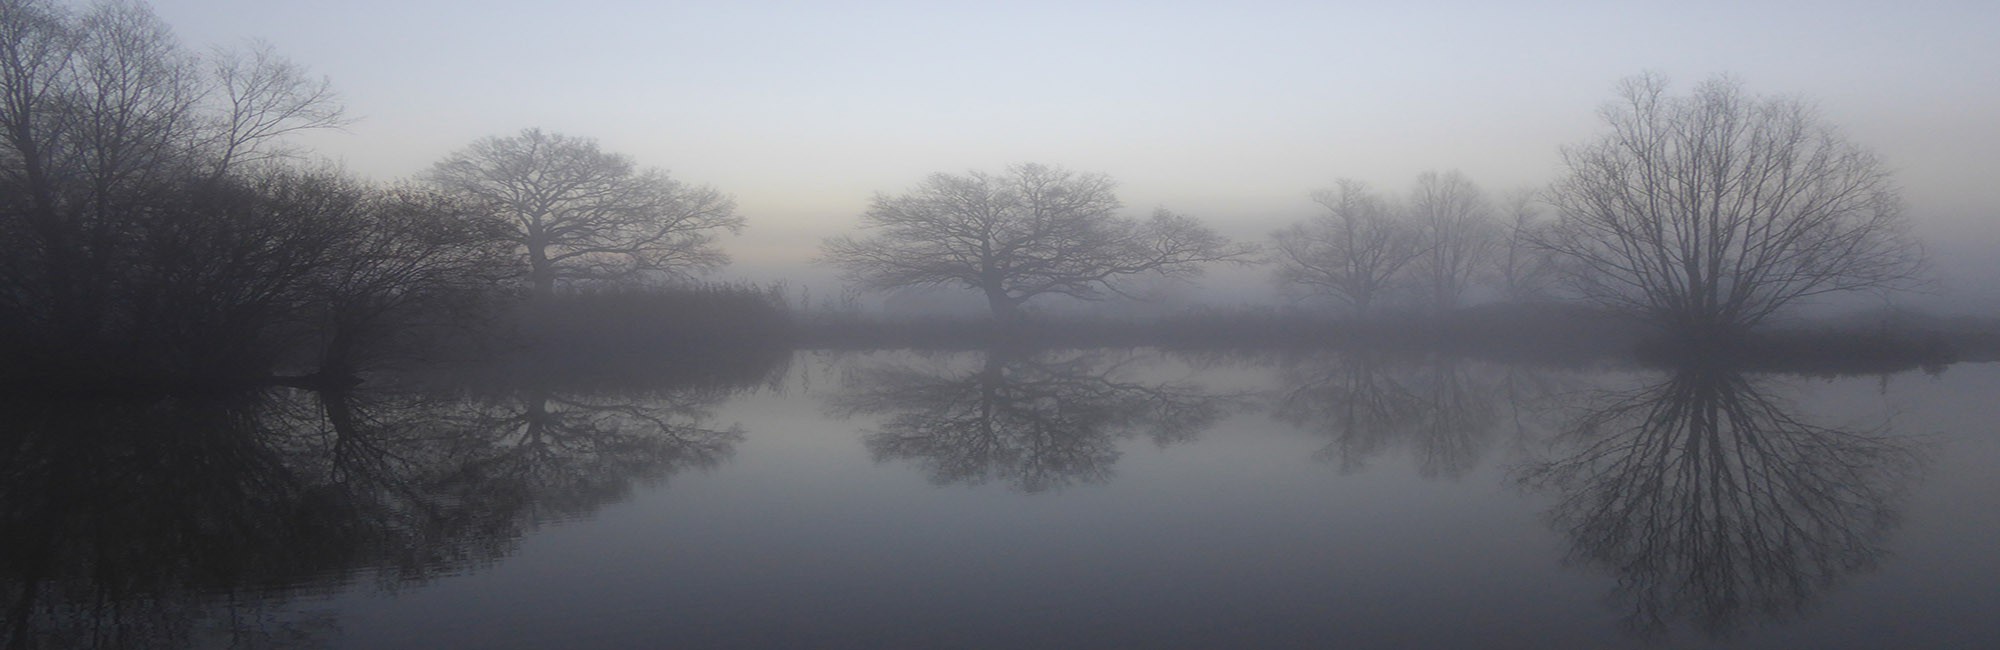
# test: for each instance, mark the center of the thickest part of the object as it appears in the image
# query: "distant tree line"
(1364, 252)
(1704, 215)
(158, 226)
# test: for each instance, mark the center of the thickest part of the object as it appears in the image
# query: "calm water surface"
(1073, 499)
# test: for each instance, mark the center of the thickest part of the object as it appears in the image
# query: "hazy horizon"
(429, 382)
(802, 112)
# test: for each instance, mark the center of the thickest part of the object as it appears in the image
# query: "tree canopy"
(1354, 252)
(583, 215)
(1032, 231)
(148, 224)
(1710, 212)
(1364, 248)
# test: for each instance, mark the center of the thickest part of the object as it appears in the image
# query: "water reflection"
(1035, 421)
(561, 455)
(1368, 403)
(1711, 503)
(186, 523)
(1716, 504)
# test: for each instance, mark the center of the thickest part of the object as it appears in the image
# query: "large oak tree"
(581, 215)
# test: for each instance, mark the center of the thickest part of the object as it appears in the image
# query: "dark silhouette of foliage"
(156, 239)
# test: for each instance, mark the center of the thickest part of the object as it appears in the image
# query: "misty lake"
(1133, 499)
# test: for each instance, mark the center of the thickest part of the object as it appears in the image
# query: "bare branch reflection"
(565, 454)
(1036, 421)
(1714, 504)
(1369, 403)
(160, 523)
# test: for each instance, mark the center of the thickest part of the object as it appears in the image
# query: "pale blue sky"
(1229, 112)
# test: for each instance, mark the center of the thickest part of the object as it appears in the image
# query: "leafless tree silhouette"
(123, 176)
(1033, 231)
(1355, 252)
(1522, 270)
(582, 215)
(1711, 211)
(261, 98)
(414, 257)
(1456, 236)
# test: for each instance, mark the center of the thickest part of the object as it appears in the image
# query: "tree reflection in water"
(176, 523)
(1036, 421)
(1714, 504)
(562, 455)
(1368, 403)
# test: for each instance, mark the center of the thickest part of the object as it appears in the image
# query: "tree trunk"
(541, 272)
(337, 358)
(1006, 309)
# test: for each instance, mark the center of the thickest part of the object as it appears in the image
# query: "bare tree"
(1456, 235)
(260, 97)
(1712, 211)
(583, 215)
(1355, 252)
(219, 264)
(1033, 231)
(96, 103)
(98, 110)
(116, 163)
(411, 257)
(1523, 271)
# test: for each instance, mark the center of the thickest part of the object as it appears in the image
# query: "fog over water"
(906, 324)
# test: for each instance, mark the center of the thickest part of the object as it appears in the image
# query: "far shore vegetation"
(163, 235)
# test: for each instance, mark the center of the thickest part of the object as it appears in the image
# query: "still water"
(1006, 499)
